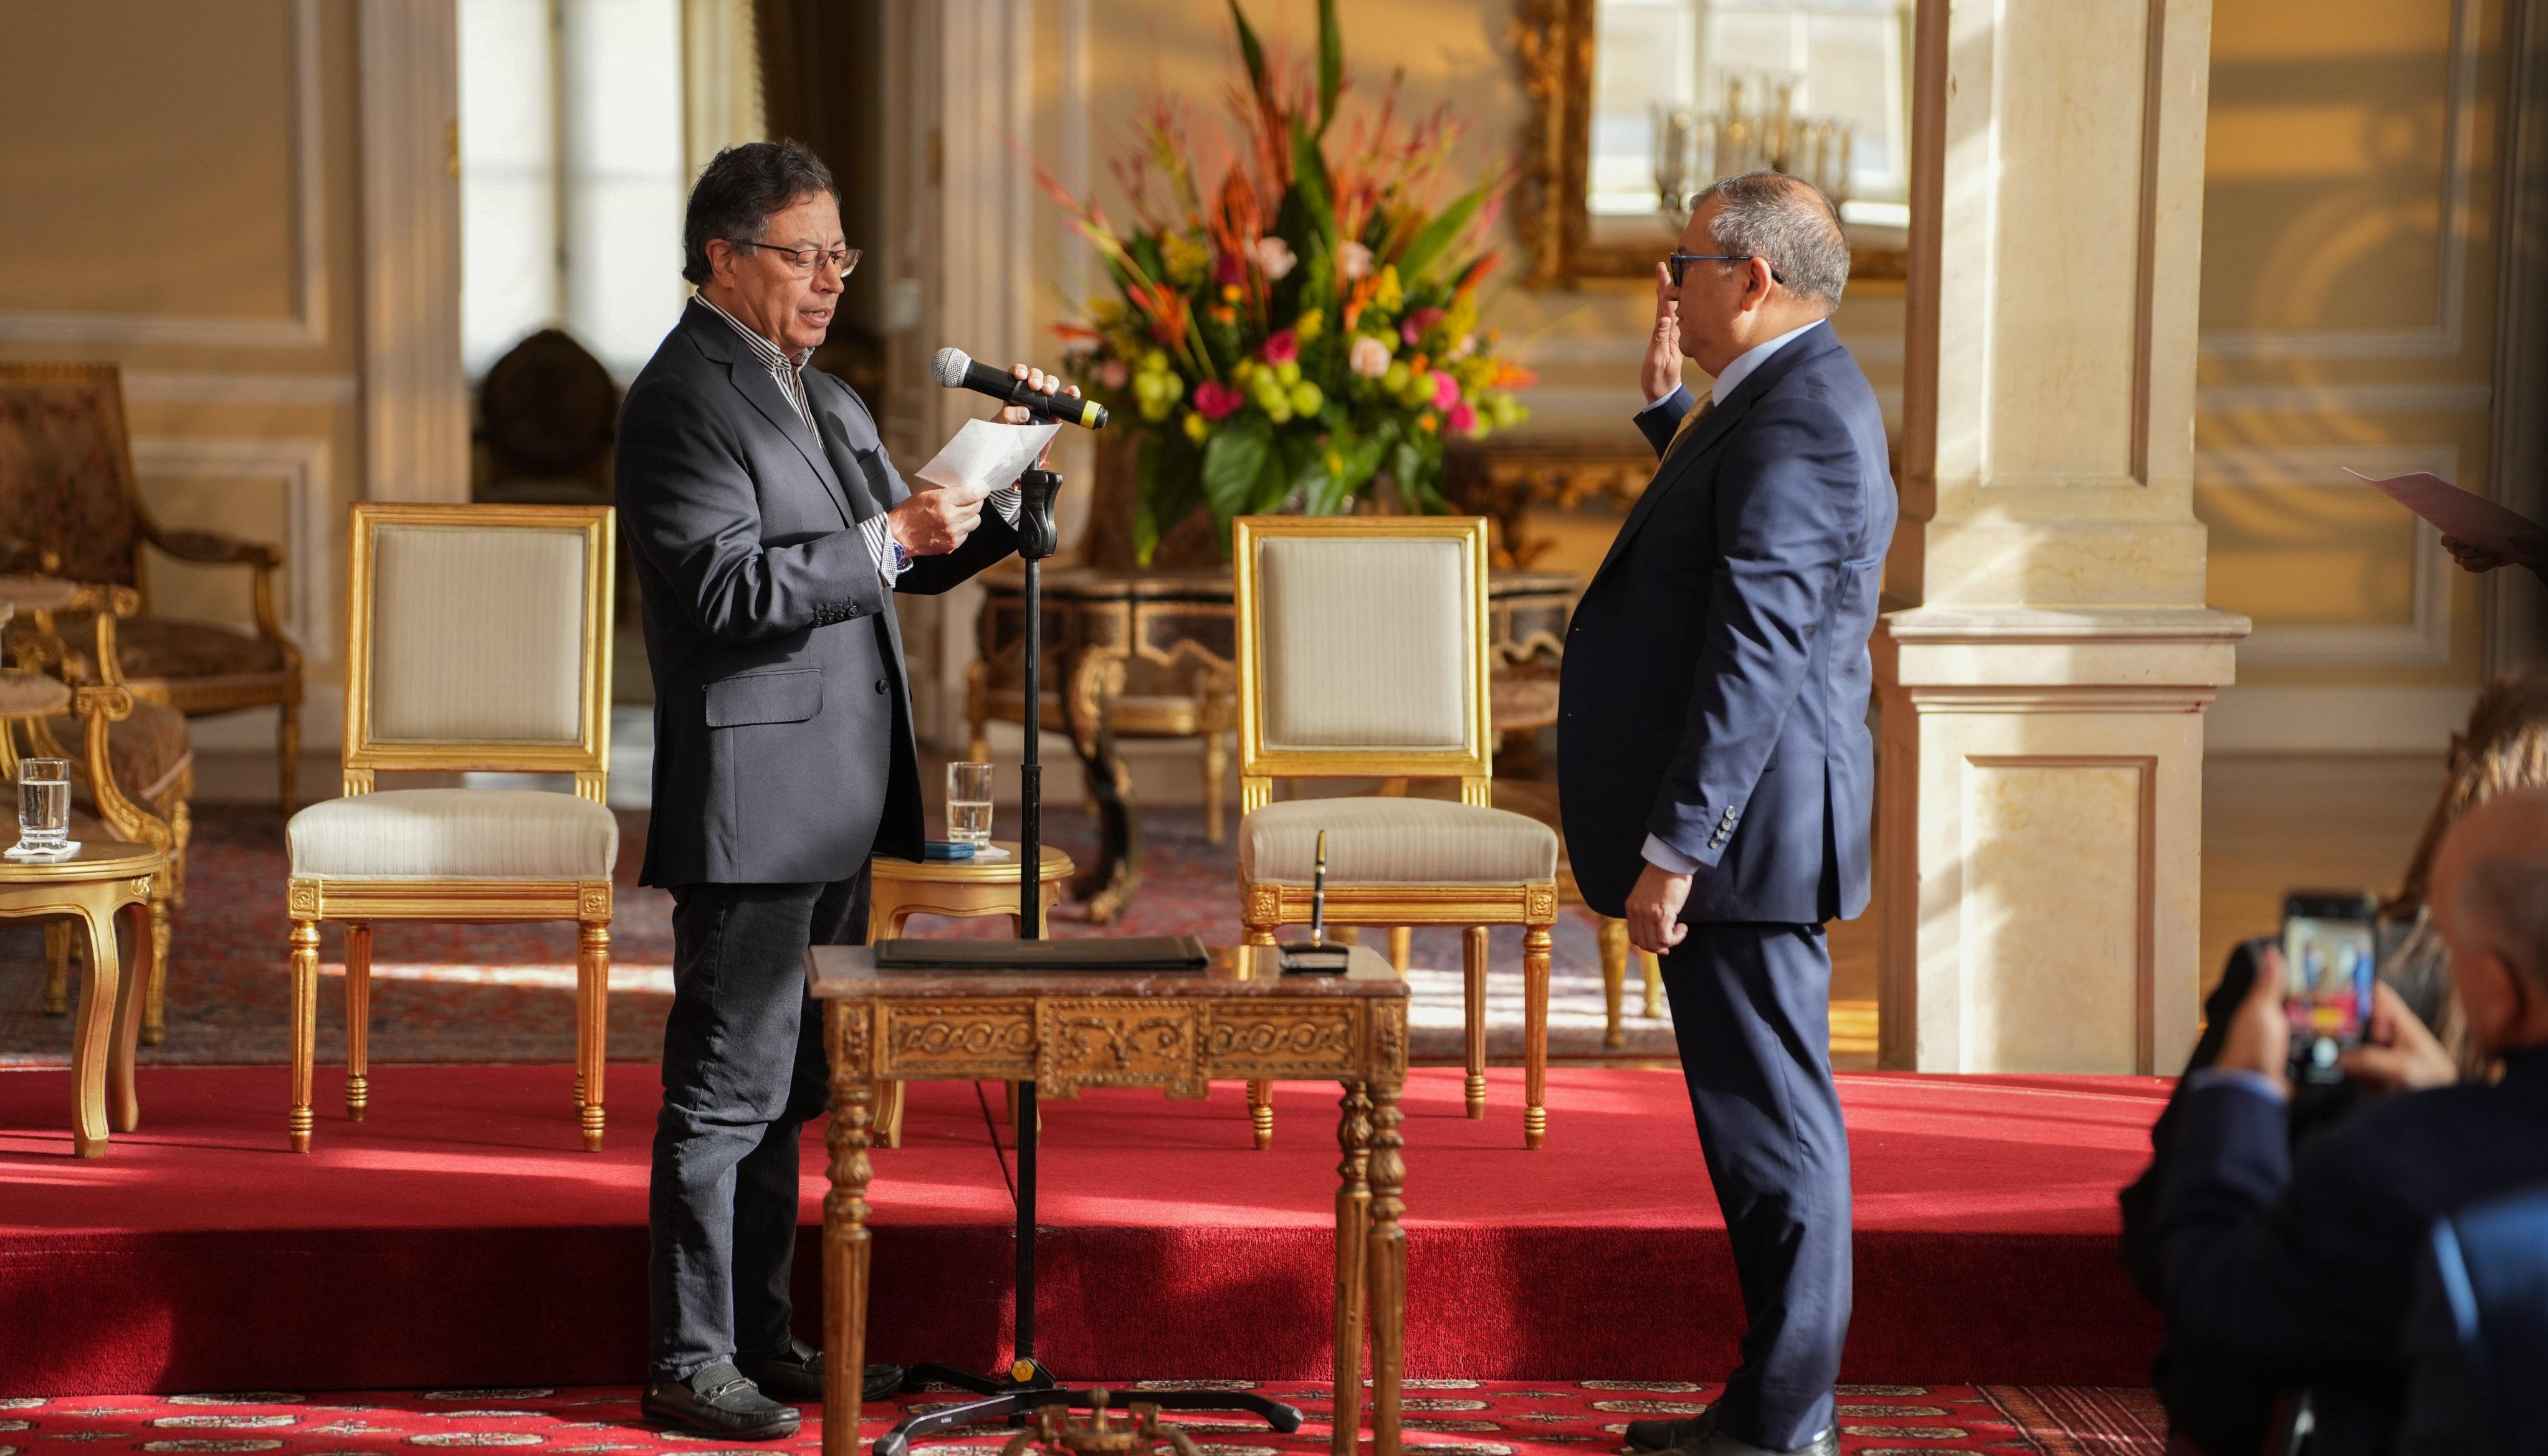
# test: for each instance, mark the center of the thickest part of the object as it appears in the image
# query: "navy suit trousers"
(743, 1072)
(1751, 1007)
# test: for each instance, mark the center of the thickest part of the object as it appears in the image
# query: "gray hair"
(737, 191)
(1785, 222)
(2503, 905)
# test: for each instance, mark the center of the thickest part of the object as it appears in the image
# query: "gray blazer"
(784, 747)
(1715, 682)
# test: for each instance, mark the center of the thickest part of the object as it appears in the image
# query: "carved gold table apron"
(1066, 1031)
(104, 879)
(1159, 638)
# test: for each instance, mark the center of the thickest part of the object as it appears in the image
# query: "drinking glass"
(968, 803)
(43, 808)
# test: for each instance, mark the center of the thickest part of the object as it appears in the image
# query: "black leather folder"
(1118, 953)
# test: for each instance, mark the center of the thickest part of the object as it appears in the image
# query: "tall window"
(1695, 89)
(573, 175)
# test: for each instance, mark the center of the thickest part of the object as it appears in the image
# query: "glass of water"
(43, 808)
(968, 803)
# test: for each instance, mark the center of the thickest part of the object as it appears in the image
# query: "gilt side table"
(105, 880)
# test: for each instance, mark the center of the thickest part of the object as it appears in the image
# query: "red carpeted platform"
(456, 1238)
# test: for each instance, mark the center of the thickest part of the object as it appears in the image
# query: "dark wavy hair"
(737, 191)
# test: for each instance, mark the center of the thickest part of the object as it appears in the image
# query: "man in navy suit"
(2283, 1273)
(1714, 763)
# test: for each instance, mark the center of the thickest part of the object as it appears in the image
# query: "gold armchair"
(478, 639)
(69, 508)
(1362, 653)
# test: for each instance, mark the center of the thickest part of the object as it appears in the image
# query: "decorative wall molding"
(2425, 641)
(415, 413)
(223, 387)
(2401, 397)
(307, 325)
(305, 467)
(2275, 718)
(2440, 338)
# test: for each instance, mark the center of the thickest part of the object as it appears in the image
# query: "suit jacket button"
(879, 684)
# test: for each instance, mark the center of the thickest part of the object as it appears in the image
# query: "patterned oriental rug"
(486, 993)
(1444, 1417)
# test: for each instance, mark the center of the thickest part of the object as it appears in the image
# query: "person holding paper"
(769, 530)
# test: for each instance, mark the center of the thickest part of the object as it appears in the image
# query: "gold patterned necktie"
(1687, 422)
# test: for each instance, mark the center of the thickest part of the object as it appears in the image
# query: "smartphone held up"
(2331, 948)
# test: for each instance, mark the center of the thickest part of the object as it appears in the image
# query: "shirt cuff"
(880, 549)
(2252, 1082)
(1008, 502)
(1664, 857)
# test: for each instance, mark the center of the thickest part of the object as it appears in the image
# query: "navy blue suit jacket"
(1716, 676)
(2301, 1273)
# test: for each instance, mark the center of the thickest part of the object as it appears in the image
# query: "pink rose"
(1463, 416)
(1275, 257)
(1353, 262)
(1112, 373)
(1446, 391)
(1369, 357)
(1283, 347)
(1214, 400)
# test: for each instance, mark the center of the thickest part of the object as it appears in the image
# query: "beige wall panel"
(2056, 857)
(2062, 337)
(152, 161)
(2317, 554)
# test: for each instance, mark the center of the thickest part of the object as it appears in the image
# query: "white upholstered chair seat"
(455, 834)
(1394, 841)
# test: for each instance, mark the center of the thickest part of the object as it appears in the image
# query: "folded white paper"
(986, 456)
(2465, 514)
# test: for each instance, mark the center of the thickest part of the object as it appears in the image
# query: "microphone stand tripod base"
(1026, 1386)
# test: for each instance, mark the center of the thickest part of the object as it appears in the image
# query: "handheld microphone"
(956, 369)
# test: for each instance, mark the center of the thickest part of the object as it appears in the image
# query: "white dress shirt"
(1658, 854)
(789, 373)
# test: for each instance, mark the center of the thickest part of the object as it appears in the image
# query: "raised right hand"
(936, 522)
(1660, 375)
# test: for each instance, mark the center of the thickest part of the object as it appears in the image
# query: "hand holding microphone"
(1028, 393)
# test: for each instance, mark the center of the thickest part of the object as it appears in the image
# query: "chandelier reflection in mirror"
(1687, 91)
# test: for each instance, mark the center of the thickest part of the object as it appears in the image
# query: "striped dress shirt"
(789, 371)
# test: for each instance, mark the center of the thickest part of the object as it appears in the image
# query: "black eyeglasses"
(1678, 261)
(803, 259)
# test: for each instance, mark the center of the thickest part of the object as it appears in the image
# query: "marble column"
(2043, 678)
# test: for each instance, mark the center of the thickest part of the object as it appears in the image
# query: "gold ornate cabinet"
(1069, 1031)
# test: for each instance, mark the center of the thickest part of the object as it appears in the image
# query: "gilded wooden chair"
(69, 508)
(1362, 653)
(478, 640)
(136, 792)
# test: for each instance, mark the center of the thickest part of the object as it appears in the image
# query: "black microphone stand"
(1027, 1385)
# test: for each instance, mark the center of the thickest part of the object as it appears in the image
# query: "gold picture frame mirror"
(1636, 101)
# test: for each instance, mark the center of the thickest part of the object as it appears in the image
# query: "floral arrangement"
(1307, 328)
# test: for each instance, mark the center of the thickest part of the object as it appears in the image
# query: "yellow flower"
(1312, 324)
(1389, 296)
(1186, 257)
(1230, 293)
(1197, 427)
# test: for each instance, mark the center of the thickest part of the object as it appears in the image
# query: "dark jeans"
(1751, 1007)
(742, 1072)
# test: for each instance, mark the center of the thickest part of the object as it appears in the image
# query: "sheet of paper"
(2465, 514)
(986, 456)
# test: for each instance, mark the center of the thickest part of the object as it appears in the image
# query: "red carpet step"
(456, 1238)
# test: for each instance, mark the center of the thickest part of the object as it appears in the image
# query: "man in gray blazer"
(1714, 767)
(770, 530)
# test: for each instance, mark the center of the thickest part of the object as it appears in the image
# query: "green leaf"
(1234, 464)
(1309, 188)
(1145, 490)
(1431, 239)
(1331, 63)
(1165, 490)
(1250, 50)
